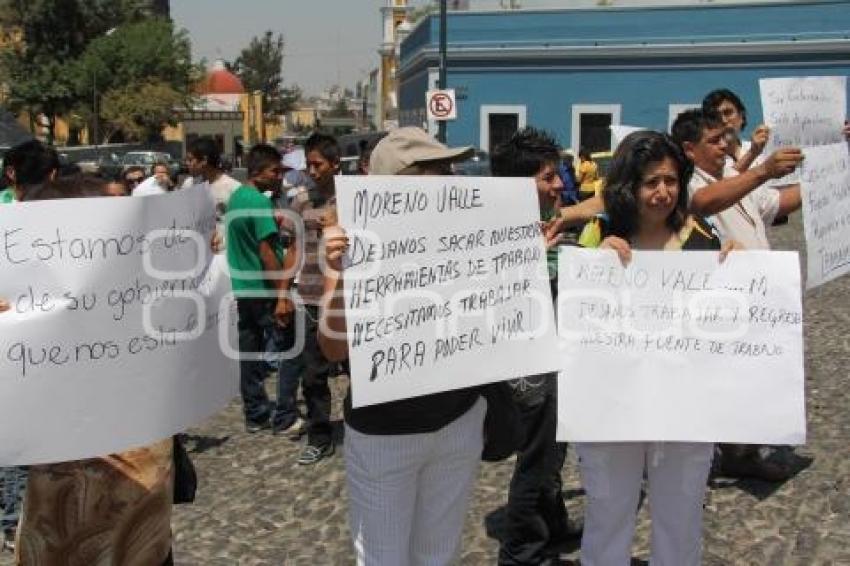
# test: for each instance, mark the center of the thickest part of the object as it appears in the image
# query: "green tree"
(40, 73)
(260, 66)
(140, 111)
(289, 99)
(136, 56)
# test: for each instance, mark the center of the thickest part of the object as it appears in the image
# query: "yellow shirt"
(588, 174)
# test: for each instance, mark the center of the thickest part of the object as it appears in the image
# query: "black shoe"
(312, 454)
(766, 463)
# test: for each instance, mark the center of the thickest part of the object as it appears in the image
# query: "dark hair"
(524, 154)
(633, 156)
(205, 149)
(715, 98)
(133, 169)
(690, 125)
(259, 157)
(326, 145)
(72, 186)
(584, 154)
(32, 162)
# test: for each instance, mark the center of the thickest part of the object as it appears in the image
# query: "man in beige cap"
(411, 151)
(411, 464)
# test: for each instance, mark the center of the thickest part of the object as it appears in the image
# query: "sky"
(327, 42)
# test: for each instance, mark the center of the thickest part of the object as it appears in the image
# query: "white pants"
(408, 494)
(612, 473)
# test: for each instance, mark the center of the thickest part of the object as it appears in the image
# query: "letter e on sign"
(441, 104)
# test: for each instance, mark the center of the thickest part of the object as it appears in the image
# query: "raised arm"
(720, 195)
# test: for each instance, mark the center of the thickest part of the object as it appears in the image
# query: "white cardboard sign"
(678, 347)
(825, 187)
(446, 286)
(113, 338)
(803, 112)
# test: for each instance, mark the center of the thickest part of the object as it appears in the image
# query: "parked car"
(147, 159)
(477, 166)
(106, 165)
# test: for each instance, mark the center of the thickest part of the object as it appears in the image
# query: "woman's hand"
(727, 247)
(619, 245)
(336, 244)
(759, 139)
(553, 232)
(4, 305)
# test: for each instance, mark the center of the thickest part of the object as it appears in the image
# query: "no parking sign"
(441, 104)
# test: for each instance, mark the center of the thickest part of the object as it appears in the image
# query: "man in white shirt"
(739, 206)
(203, 159)
(736, 203)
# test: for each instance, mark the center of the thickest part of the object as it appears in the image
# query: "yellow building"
(394, 14)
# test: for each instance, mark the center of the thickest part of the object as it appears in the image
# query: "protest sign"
(802, 112)
(825, 188)
(678, 347)
(446, 286)
(112, 340)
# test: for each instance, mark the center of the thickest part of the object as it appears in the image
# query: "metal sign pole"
(441, 125)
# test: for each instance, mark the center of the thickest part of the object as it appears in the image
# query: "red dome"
(220, 81)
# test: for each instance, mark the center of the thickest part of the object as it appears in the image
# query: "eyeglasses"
(134, 180)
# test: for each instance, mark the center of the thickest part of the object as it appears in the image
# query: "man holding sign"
(742, 208)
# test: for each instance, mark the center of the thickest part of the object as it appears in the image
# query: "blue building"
(575, 72)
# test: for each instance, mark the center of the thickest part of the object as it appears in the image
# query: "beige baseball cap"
(407, 146)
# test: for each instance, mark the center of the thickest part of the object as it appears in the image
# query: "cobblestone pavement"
(257, 506)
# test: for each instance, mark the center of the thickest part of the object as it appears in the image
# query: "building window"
(675, 110)
(591, 126)
(499, 123)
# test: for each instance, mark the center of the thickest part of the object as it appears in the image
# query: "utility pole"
(95, 126)
(441, 125)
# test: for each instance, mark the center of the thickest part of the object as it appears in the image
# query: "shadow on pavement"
(759, 488)
(201, 443)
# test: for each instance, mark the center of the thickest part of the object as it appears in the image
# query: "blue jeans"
(256, 320)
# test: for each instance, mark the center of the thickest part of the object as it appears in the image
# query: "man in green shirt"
(261, 279)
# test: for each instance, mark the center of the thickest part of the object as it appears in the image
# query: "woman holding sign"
(410, 464)
(646, 205)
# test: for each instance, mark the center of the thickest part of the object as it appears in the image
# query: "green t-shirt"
(7, 195)
(249, 220)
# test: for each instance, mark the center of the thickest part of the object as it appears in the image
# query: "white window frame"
(674, 110)
(484, 116)
(615, 110)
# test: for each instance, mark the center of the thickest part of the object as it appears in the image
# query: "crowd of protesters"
(411, 465)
